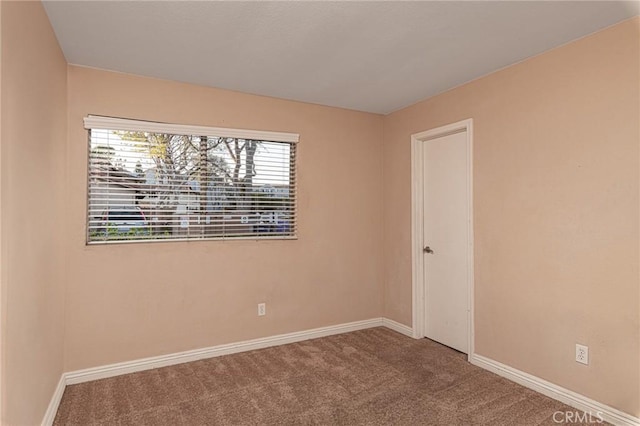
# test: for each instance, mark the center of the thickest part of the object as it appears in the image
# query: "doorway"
(442, 235)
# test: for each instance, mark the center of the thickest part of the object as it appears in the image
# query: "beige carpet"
(368, 377)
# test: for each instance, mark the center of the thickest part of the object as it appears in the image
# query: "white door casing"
(452, 147)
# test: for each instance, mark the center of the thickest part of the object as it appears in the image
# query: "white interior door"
(446, 240)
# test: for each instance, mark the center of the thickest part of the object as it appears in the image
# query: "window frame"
(134, 125)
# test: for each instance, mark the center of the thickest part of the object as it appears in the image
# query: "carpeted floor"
(368, 377)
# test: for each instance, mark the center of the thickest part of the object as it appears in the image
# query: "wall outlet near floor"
(262, 309)
(582, 354)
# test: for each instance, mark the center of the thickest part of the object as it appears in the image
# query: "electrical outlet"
(262, 309)
(582, 354)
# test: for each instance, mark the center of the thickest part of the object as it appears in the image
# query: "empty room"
(318, 212)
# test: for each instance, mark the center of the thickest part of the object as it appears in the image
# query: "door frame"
(417, 224)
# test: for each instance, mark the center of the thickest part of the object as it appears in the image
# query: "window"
(155, 181)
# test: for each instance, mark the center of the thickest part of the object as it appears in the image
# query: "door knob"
(427, 249)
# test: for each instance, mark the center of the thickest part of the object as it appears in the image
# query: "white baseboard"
(396, 326)
(566, 396)
(127, 367)
(52, 409)
(573, 399)
(103, 372)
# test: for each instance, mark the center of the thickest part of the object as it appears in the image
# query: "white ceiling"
(369, 56)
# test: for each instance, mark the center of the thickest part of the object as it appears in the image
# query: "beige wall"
(33, 105)
(138, 300)
(556, 163)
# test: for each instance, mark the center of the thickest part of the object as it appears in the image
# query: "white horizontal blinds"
(162, 186)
